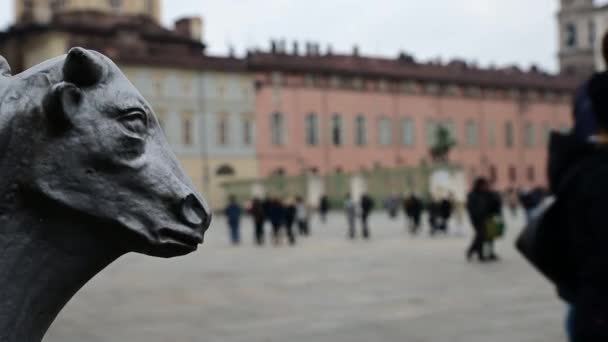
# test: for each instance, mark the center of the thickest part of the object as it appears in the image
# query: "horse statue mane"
(86, 176)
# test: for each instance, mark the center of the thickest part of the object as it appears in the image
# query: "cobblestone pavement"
(392, 288)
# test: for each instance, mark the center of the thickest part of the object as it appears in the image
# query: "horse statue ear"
(61, 104)
(82, 68)
(5, 69)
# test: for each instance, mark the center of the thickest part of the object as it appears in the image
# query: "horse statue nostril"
(193, 211)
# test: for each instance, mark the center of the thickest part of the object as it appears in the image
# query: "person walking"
(290, 212)
(276, 215)
(482, 205)
(302, 215)
(413, 210)
(323, 208)
(233, 215)
(367, 205)
(257, 213)
(350, 209)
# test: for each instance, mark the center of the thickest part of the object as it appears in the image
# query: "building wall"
(43, 10)
(457, 110)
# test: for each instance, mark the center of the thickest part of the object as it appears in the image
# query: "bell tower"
(577, 37)
(42, 11)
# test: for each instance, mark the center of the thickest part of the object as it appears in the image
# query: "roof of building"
(140, 40)
(405, 67)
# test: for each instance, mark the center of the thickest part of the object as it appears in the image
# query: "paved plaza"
(392, 288)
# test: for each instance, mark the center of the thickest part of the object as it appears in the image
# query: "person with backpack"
(483, 205)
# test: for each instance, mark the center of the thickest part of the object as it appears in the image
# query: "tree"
(443, 144)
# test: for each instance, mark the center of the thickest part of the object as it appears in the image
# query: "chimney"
(296, 48)
(273, 46)
(308, 48)
(356, 50)
(330, 50)
(190, 27)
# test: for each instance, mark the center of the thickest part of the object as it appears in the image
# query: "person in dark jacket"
(367, 205)
(233, 214)
(323, 208)
(290, 212)
(413, 210)
(276, 215)
(586, 203)
(482, 204)
(257, 213)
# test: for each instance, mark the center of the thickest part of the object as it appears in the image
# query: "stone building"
(330, 113)
(204, 103)
(582, 25)
(42, 11)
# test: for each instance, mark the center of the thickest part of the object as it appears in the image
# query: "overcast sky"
(497, 32)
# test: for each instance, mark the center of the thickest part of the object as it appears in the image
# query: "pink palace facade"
(343, 113)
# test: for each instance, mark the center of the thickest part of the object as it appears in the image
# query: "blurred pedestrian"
(324, 208)
(290, 212)
(367, 205)
(302, 215)
(391, 206)
(434, 210)
(446, 208)
(276, 215)
(257, 213)
(350, 209)
(233, 215)
(413, 207)
(483, 206)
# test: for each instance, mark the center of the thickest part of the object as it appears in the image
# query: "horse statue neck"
(44, 261)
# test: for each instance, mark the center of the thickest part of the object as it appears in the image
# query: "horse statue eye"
(135, 121)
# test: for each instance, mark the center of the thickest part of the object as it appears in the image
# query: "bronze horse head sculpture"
(86, 176)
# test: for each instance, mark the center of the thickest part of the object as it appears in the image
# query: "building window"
(512, 174)
(546, 133)
(337, 138)
(277, 129)
(115, 4)
(150, 7)
(225, 170)
(592, 33)
(360, 131)
(312, 129)
(407, 131)
(471, 133)
(529, 134)
(493, 174)
(531, 174)
(247, 127)
(570, 33)
(449, 127)
(509, 134)
(430, 132)
(384, 132)
(187, 130)
(57, 5)
(222, 130)
(492, 134)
